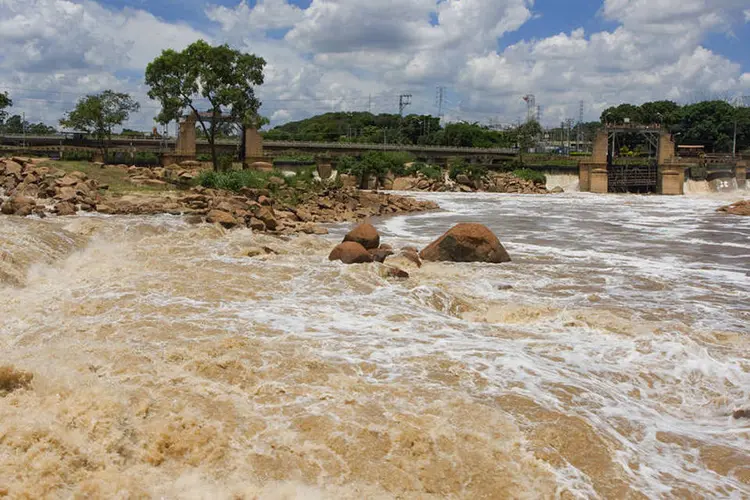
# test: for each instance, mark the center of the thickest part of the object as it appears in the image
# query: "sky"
(359, 55)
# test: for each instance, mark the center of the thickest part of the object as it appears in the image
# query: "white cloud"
(338, 53)
(747, 16)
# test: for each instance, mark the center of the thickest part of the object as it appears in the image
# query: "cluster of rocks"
(32, 188)
(739, 208)
(493, 182)
(466, 242)
(180, 174)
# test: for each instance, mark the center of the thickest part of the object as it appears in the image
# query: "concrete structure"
(740, 173)
(596, 175)
(253, 147)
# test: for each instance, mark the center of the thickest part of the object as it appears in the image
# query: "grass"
(234, 180)
(116, 178)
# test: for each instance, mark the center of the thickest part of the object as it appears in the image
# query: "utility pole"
(404, 100)
(579, 137)
(23, 128)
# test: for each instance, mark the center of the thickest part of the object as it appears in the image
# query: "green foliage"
(203, 157)
(77, 155)
(225, 163)
(530, 175)
(221, 75)
(16, 125)
(459, 166)
(234, 180)
(98, 114)
(377, 163)
(5, 102)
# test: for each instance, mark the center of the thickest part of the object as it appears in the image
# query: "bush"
(429, 171)
(377, 163)
(234, 180)
(530, 175)
(459, 166)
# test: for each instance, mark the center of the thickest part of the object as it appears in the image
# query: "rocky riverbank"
(37, 187)
(493, 182)
(739, 208)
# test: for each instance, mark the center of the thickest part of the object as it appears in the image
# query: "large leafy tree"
(527, 136)
(5, 102)
(98, 114)
(223, 77)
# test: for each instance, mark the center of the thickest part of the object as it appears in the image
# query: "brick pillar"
(599, 179)
(672, 180)
(666, 148)
(601, 147)
(740, 173)
(584, 177)
(253, 146)
(186, 136)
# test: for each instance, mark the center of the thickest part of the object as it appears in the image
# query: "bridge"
(264, 150)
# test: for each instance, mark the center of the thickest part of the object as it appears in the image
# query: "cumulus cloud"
(353, 54)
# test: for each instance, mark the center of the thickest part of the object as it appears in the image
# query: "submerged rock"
(224, 218)
(467, 242)
(739, 208)
(366, 235)
(350, 252)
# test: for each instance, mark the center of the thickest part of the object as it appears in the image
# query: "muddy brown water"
(604, 361)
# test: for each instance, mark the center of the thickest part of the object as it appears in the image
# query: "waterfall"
(569, 182)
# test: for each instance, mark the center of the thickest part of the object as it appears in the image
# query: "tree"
(527, 135)
(221, 75)
(5, 102)
(98, 114)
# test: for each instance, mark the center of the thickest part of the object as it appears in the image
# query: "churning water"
(604, 361)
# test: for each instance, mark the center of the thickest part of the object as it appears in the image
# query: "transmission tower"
(439, 99)
(404, 100)
(530, 106)
(539, 114)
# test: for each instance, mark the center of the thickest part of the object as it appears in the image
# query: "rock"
(153, 183)
(193, 219)
(276, 181)
(256, 224)
(266, 214)
(464, 180)
(221, 217)
(380, 254)
(739, 208)
(348, 181)
(401, 261)
(65, 208)
(68, 180)
(744, 413)
(13, 168)
(350, 252)
(393, 272)
(265, 200)
(190, 163)
(67, 193)
(18, 205)
(103, 209)
(366, 235)
(467, 242)
(258, 251)
(412, 255)
(557, 190)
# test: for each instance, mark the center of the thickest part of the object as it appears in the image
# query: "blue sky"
(328, 55)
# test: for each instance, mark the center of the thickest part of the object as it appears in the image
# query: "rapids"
(604, 361)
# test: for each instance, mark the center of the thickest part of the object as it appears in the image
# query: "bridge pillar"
(666, 148)
(599, 179)
(601, 147)
(671, 179)
(98, 157)
(186, 136)
(253, 146)
(740, 173)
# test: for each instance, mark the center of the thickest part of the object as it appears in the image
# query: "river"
(604, 361)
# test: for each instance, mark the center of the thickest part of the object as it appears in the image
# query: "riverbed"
(604, 361)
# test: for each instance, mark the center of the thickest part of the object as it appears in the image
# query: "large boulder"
(350, 252)
(221, 217)
(467, 242)
(404, 183)
(267, 216)
(366, 235)
(18, 205)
